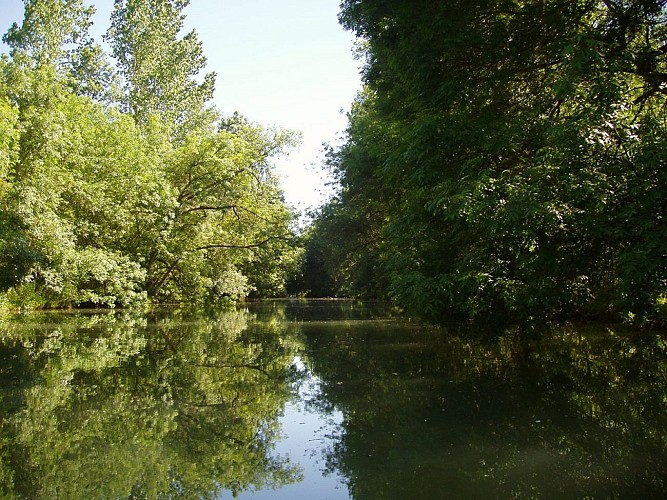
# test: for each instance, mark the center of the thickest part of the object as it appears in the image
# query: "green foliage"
(48, 27)
(227, 216)
(9, 135)
(110, 198)
(346, 241)
(158, 67)
(514, 152)
(54, 33)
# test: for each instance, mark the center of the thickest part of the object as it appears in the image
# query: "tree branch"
(170, 269)
(205, 208)
(220, 208)
(241, 247)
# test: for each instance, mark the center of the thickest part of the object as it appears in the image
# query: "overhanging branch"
(242, 247)
(222, 208)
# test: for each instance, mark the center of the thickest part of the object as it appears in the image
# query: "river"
(325, 400)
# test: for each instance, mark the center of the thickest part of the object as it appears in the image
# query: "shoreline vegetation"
(505, 162)
(120, 183)
(500, 166)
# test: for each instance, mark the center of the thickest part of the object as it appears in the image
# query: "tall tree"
(227, 207)
(54, 33)
(48, 27)
(159, 67)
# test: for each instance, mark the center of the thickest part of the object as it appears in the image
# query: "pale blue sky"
(279, 62)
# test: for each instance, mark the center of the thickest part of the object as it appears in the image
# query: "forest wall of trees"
(119, 181)
(506, 159)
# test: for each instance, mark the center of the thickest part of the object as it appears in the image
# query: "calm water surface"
(325, 399)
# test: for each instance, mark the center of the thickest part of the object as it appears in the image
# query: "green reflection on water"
(112, 406)
(580, 414)
(173, 404)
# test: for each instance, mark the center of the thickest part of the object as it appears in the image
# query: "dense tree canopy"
(507, 157)
(119, 181)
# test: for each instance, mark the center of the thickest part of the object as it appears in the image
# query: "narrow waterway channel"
(324, 399)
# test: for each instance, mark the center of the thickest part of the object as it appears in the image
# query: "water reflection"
(111, 406)
(308, 436)
(434, 415)
(325, 400)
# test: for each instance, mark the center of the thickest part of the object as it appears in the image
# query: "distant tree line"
(505, 159)
(119, 181)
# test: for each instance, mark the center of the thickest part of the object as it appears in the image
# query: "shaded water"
(324, 400)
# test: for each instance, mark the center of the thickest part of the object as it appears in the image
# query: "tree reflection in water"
(187, 405)
(110, 405)
(433, 414)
